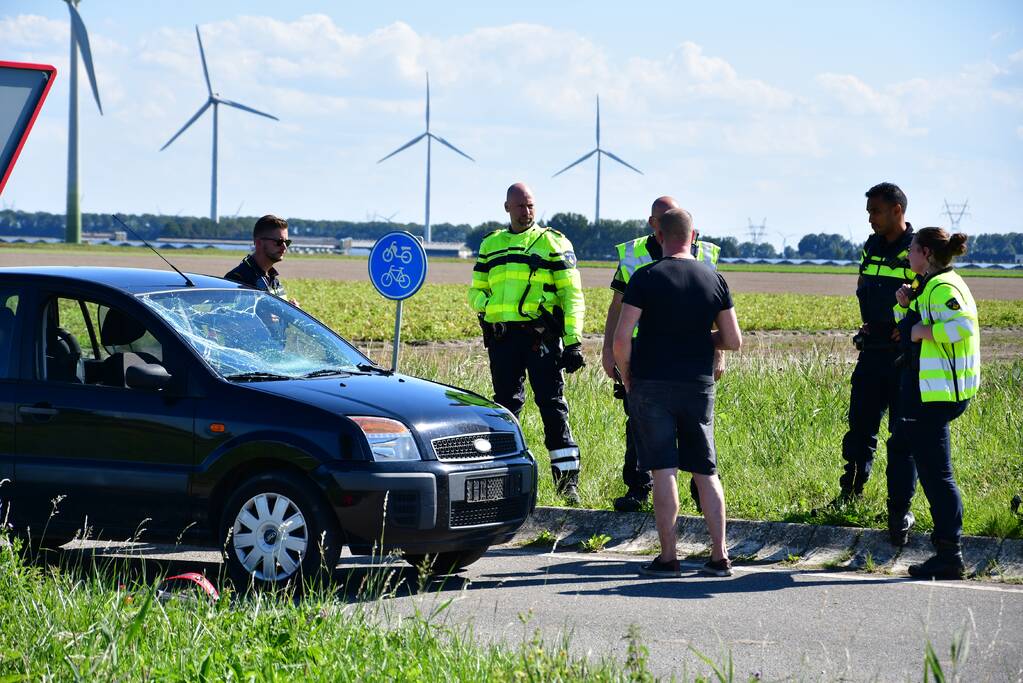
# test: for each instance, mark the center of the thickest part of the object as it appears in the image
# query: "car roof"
(130, 280)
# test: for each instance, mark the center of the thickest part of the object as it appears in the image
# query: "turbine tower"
(598, 151)
(214, 100)
(79, 41)
(430, 137)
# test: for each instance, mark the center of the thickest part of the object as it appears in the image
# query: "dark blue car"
(134, 403)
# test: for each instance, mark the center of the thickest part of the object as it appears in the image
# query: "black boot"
(900, 521)
(947, 562)
(567, 484)
(844, 497)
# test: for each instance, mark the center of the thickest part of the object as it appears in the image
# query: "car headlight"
(389, 440)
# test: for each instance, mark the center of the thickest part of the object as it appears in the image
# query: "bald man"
(528, 295)
(632, 256)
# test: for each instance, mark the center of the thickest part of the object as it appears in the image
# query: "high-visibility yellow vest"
(949, 365)
(518, 273)
(633, 255)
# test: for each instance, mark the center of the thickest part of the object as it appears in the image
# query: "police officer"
(528, 295)
(938, 381)
(884, 268)
(269, 244)
(632, 256)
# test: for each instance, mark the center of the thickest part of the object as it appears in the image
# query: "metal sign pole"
(397, 337)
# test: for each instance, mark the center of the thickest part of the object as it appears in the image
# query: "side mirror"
(151, 376)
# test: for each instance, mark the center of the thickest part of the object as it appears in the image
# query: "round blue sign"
(397, 265)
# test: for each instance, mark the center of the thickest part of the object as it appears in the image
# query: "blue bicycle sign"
(397, 265)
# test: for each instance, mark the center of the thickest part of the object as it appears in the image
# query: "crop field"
(441, 312)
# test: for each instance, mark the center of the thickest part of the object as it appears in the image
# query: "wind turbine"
(430, 137)
(598, 151)
(79, 41)
(214, 100)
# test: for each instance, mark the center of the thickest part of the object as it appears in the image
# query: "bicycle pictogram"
(404, 254)
(396, 274)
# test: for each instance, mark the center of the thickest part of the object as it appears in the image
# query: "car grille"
(473, 514)
(461, 448)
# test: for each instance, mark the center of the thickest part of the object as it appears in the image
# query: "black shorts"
(674, 425)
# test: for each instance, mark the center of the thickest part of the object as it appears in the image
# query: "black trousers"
(875, 390)
(514, 355)
(926, 427)
(638, 481)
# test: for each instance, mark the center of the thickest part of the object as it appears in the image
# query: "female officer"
(937, 388)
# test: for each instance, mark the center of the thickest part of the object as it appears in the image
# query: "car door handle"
(38, 410)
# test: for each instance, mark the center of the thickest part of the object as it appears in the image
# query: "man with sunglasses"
(270, 243)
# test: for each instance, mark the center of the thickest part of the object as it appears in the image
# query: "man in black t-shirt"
(270, 243)
(668, 371)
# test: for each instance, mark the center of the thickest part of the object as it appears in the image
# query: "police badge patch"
(953, 304)
(570, 259)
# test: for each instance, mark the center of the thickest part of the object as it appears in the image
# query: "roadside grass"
(441, 312)
(780, 419)
(98, 623)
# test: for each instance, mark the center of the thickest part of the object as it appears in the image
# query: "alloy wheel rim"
(270, 537)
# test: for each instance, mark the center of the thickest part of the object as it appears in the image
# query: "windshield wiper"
(326, 372)
(366, 367)
(256, 377)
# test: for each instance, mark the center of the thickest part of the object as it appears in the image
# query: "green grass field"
(103, 622)
(441, 312)
(780, 419)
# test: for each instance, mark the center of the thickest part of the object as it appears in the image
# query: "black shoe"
(899, 525)
(944, 565)
(722, 567)
(632, 501)
(840, 501)
(570, 492)
(661, 570)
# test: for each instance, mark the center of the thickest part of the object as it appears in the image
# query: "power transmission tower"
(756, 232)
(955, 213)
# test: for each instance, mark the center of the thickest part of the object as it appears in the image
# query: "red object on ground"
(16, 122)
(199, 580)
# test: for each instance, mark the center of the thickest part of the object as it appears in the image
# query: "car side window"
(88, 342)
(8, 316)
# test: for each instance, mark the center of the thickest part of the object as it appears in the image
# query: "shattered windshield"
(247, 335)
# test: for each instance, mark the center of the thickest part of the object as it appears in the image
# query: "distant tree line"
(589, 242)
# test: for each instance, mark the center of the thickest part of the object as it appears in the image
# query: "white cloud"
(30, 32)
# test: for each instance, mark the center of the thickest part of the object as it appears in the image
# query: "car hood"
(432, 409)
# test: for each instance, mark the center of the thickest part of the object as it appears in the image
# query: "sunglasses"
(278, 241)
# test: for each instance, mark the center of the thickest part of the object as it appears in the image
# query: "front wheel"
(278, 531)
(445, 563)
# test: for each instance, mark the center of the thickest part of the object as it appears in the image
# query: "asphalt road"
(774, 621)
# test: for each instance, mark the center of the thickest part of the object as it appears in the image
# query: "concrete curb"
(753, 542)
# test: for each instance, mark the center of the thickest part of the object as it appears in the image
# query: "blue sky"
(781, 110)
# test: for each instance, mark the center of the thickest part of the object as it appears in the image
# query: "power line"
(955, 213)
(756, 232)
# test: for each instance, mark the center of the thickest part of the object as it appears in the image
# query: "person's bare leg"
(712, 500)
(666, 511)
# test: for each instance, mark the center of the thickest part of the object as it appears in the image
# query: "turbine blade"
(574, 163)
(450, 146)
(598, 121)
(202, 56)
(190, 122)
(427, 101)
(623, 163)
(404, 147)
(82, 38)
(237, 105)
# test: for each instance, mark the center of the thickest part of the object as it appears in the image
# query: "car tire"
(445, 563)
(278, 531)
